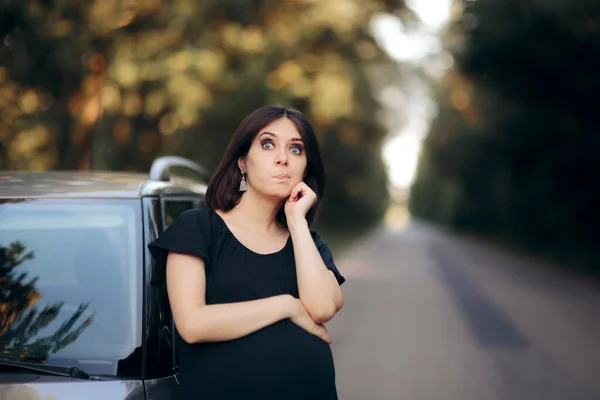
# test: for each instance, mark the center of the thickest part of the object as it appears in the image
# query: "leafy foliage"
(512, 151)
(110, 85)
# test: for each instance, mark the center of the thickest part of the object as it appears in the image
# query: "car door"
(162, 355)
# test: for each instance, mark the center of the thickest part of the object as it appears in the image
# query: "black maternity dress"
(281, 361)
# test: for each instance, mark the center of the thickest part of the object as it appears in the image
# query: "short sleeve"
(327, 257)
(190, 233)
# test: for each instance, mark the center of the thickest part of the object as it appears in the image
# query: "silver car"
(81, 314)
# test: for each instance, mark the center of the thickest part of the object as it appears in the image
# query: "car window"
(173, 208)
(71, 289)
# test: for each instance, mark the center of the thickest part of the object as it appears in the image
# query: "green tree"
(511, 154)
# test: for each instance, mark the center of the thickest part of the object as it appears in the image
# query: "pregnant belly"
(285, 348)
(282, 358)
(304, 350)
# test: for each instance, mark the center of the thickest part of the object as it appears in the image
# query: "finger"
(295, 192)
(321, 331)
(302, 187)
(304, 192)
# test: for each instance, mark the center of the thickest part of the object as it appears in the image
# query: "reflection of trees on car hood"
(20, 320)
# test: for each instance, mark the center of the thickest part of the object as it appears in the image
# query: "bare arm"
(319, 291)
(198, 322)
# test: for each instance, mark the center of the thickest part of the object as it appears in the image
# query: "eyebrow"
(274, 135)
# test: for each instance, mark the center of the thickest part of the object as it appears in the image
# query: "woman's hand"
(302, 318)
(300, 201)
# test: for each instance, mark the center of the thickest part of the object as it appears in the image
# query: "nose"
(282, 157)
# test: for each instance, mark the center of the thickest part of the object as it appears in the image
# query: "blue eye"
(267, 143)
(297, 150)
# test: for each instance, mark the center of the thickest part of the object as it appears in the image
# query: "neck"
(257, 212)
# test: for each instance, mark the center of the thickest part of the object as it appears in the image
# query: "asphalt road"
(429, 316)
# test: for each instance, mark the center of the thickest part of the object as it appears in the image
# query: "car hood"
(41, 387)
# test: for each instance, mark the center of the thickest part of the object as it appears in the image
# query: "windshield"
(70, 282)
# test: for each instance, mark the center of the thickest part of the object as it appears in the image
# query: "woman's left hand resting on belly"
(302, 318)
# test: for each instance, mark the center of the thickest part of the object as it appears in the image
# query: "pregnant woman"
(249, 283)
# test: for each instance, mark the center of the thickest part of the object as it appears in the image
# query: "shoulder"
(318, 239)
(196, 214)
(322, 246)
(316, 235)
(192, 219)
(190, 233)
(327, 256)
(186, 228)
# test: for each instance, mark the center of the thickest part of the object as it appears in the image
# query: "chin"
(279, 193)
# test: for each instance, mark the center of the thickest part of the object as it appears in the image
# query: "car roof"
(96, 184)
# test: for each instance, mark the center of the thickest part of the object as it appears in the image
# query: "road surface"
(431, 316)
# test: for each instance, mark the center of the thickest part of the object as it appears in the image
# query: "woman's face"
(276, 161)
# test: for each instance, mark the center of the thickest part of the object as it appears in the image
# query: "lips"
(281, 176)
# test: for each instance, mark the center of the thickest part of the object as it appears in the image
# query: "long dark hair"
(223, 189)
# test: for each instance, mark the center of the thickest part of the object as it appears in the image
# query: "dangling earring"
(243, 182)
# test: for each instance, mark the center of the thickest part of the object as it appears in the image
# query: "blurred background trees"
(513, 151)
(110, 85)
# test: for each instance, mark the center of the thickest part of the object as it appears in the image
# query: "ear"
(241, 164)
